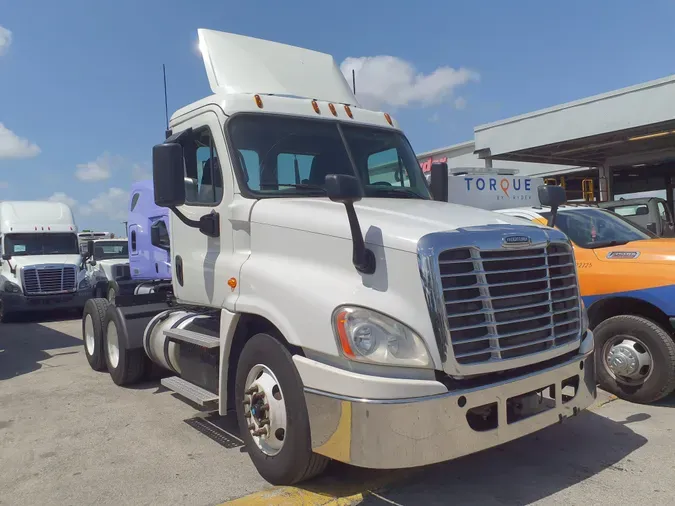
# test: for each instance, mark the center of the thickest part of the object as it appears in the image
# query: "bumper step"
(196, 394)
(188, 336)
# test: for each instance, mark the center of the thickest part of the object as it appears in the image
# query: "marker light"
(388, 118)
(315, 105)
(332, 109)
(258, 101)
(232, 283)
(349, 112)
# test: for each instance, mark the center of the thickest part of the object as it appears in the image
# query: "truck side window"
(386, 167)
(133, 240)
(293, 168)
(134, 201)
(205, 186)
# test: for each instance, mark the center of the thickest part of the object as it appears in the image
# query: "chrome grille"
(45, 280)
(503, 304)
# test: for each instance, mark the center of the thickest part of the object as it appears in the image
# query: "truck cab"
(651, 213)
(107, 260)
(330, 301)
(41, 266)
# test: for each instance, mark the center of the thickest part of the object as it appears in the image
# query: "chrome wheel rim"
(265, 409)
(111, 295)
(112, 345)
(89, 335)
(628, 360)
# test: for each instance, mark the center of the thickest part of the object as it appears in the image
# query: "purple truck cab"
(148, 235)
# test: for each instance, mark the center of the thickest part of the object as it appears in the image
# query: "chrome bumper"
(404, 433)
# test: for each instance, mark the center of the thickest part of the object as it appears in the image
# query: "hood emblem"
(515, 240)
(623, 254)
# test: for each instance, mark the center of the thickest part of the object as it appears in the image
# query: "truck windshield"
(596, 228)
(282, 156)
(111, 249)
(41, 244)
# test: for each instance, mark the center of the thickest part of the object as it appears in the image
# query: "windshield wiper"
(299, 186)
(397, 191)
(607, 244)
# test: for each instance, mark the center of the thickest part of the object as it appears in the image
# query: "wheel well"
(248, 326)
(606, 308)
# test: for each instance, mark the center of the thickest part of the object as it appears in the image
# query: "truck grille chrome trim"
(495, 307)
(48, 279)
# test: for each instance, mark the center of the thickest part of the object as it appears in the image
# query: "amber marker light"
(258, 101)
(232, 283)
(340, 322)
(332, 109)
(315, 105)
(388, 118)
(349, 111)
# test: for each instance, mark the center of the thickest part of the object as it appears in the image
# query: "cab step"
(189, 336)
(196, 394)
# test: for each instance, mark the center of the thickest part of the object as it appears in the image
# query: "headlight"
(584, 317)
(368, 336)
(84, 284)
(10, 287)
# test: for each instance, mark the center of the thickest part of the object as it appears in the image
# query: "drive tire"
(661, 347)
(126, 366)
(93, 332)
(295, 461)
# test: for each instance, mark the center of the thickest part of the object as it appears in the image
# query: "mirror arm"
(209, 224)
(554, 214)
(362, 257)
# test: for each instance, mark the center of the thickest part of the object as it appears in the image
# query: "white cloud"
(98, 170)
(112, 203)
(5, 40)
(13, 146)
(140, 171)
(460, 103)
(63, 198)
(391, 81)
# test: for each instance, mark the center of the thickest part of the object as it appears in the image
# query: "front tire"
(282, 455)
(635, 359)
(126, 366)
(93, 336)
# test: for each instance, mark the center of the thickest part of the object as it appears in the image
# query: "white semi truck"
(41, 266)
(342, 316)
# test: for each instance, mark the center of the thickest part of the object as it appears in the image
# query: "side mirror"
(439, 181)
(156, 237)
(347, 190)
(168, 175)
(6, 256)
(553, 197)
(343, 188)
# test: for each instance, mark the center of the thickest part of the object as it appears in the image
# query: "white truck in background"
(341, 315)
(41, 266)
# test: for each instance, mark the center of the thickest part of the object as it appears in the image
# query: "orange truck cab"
(627, 281)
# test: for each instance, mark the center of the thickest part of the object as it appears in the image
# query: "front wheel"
(635, 359)
(272, 413)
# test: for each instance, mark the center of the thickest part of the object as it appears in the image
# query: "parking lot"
(70, 436)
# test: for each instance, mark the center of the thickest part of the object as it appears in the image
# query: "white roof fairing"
(239, 64)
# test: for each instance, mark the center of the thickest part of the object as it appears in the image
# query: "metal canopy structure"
(627, 127)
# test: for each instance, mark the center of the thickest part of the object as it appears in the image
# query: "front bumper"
(401, 433)
(20, 303)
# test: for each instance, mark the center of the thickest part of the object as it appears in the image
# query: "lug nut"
(257, 397)
(251, 390)
(260, 432)
(265, 421)
(251, 427)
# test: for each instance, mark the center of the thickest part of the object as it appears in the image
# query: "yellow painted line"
(346, 486)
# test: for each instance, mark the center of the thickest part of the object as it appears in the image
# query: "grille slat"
(503, 304)
(45, 280)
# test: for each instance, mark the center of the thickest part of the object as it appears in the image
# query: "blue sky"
(81, 101)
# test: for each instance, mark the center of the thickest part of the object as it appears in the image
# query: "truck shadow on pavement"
(23, 347)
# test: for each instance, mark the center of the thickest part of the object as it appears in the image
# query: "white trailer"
(342, 316)
(41, 266)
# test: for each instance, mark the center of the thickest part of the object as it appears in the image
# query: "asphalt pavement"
(69, 436)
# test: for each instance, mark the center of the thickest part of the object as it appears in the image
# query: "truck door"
(202, 265)
(667, 227)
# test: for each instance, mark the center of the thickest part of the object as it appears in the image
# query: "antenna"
(353, 81)
(166, 103)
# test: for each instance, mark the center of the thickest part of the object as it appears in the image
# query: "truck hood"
(30, 260)
(648, 251)
(393, 223)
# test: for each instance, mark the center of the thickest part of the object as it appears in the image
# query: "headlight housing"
(584, 317)
(84, 284)
(10, 287)
(368, 336)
